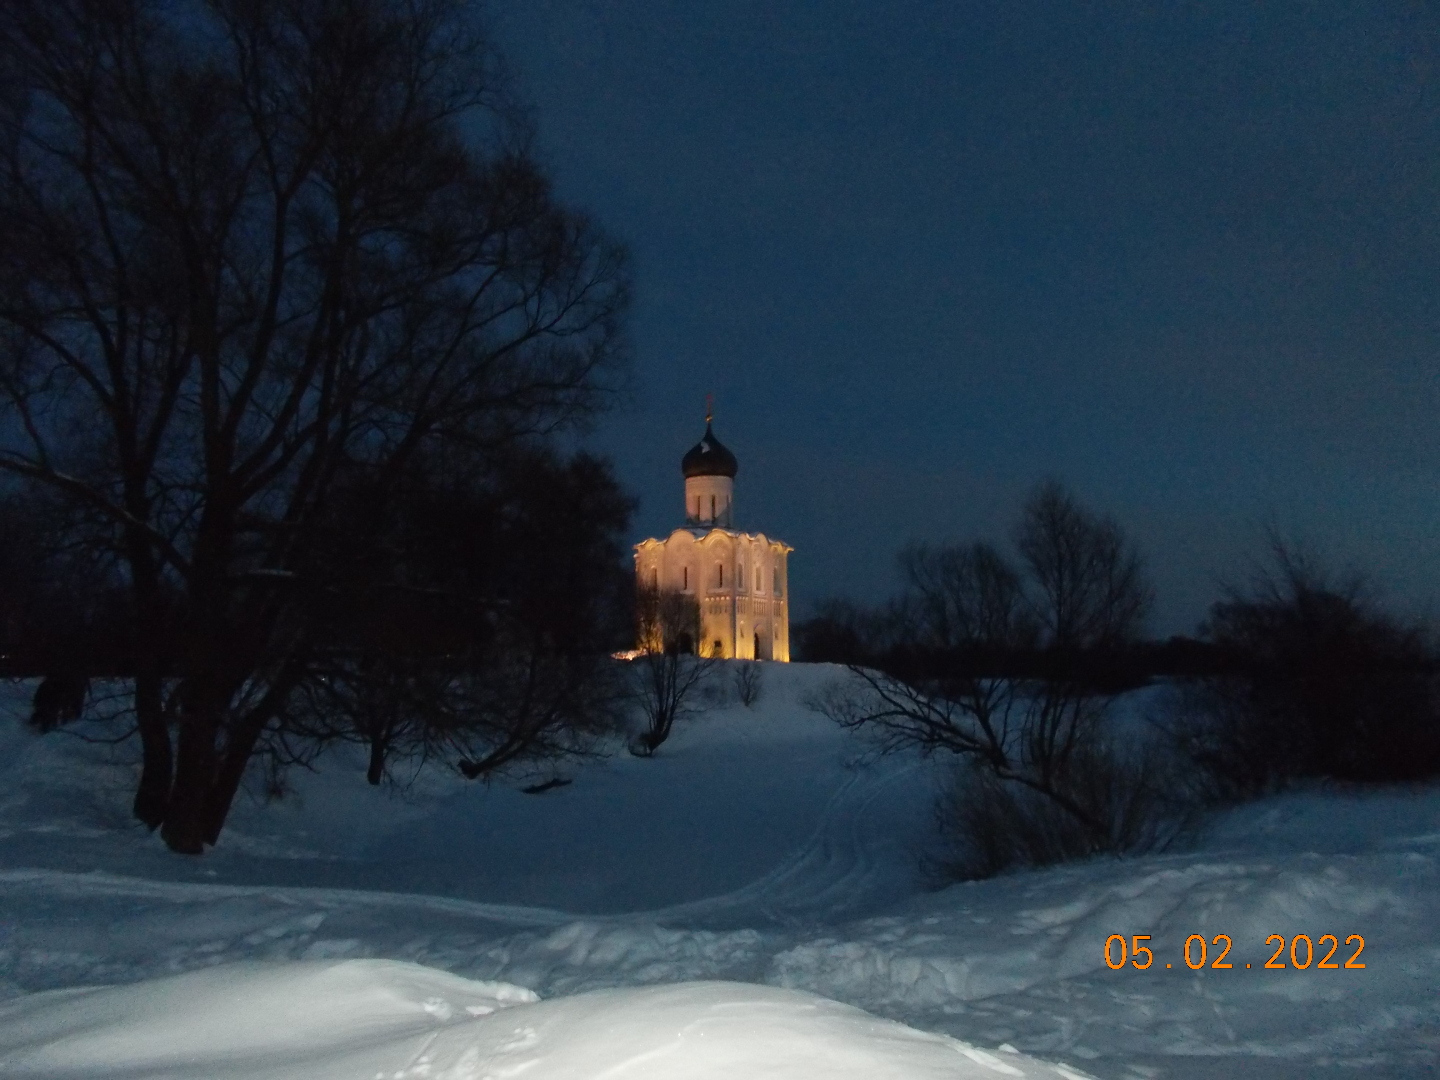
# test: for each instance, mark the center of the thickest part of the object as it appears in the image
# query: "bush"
(749, 682)
(1321, 683)
(839, 632)
(667, 674)
(1231, 756)
(989, 824)
(1010, 666)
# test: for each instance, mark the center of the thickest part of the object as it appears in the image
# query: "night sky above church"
(1184, 257)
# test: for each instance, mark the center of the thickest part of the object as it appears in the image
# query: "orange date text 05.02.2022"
(1298, 951)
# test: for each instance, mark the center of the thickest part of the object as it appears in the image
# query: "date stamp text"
(1295, 952)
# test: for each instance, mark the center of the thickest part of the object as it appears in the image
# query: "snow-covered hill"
(757, 860)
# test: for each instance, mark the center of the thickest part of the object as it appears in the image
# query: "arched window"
(655, 578)
(685, 578)
(719, 575)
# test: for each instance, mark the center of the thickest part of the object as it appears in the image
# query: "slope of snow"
(760, 847)
(757, 785)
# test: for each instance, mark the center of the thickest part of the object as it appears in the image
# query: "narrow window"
(685, 578)
(654, 578)
(712, 507)
(740, 576)
(719, 575)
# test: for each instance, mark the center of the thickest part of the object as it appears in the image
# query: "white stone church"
(739, 578)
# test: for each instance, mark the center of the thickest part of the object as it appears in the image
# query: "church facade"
(739, 579)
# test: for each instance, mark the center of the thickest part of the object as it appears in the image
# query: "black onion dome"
(709, 458)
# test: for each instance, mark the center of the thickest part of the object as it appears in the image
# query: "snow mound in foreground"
(396, 1021)
(257, 1013)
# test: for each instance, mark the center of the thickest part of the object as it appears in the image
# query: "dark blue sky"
(1184, 257)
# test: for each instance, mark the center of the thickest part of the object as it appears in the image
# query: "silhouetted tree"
(838, 632)
(956, 668)
(473, 620)
(249, 248)
(29, 605)
(58, 698)
(1319, 682)
(749, 680)
(64, 611)
(668, 671)
(1089, 586)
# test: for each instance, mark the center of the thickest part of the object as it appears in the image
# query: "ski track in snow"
(1016, 960)
(849, 866)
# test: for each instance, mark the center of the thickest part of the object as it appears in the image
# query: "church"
(740, 579)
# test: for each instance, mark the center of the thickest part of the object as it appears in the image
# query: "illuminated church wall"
(708, 499)
(740, 579)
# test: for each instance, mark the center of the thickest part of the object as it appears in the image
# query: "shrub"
(667, 674)
(749, 682)
(1321, 683)
(989, 824)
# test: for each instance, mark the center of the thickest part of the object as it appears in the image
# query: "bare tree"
(248, 247)
(1321, 681)
(963, 667)
(667, 671)
(966, 596)
(1089, 582)
(749, 679)
(472, 621)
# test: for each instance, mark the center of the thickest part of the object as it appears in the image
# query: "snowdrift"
(405, 1022)
(760, 860)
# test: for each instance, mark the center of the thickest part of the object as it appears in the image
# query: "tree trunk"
(152, 796)
(376, 772)
(227, 779)
(185, 818)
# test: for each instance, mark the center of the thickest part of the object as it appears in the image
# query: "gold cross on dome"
(709, 407)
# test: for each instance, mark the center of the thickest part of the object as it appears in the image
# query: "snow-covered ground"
(727, 908)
